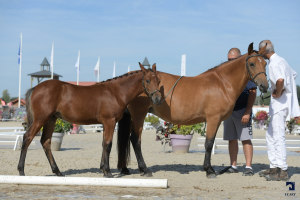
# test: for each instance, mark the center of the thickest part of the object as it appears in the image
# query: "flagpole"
(98, 74)
(20, 70)
(51, 62)
(78, 67)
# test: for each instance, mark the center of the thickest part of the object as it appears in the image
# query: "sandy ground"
(80, 156)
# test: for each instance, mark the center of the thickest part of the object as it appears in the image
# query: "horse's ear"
(154, 67)
(250, 48)
(142, 67)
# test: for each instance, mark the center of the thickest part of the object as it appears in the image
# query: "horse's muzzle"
(156, 99)
(263, 88)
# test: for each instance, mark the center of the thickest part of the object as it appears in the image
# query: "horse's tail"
(29, 108)
(124, 127)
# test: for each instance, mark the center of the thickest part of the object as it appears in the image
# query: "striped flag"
(19, 54)
(20, 68)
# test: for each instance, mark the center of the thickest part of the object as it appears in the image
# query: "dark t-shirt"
(242, 101)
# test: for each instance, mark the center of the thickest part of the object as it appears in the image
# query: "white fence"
(92, 127)
(257, 143)
(11, 136)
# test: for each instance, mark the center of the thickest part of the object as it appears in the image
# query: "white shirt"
(280, 69)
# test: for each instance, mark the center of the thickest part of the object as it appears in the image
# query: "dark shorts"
(235, 130)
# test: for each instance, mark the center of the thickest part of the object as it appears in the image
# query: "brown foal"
(56, 99)
(208, 97)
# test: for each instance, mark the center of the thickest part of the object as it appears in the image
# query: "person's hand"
(245, 118)
(276, 94)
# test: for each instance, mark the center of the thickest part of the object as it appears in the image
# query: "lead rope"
(263, 98)
(172, 88)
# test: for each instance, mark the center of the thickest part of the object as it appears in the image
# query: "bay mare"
(209, 97)
(102, 103)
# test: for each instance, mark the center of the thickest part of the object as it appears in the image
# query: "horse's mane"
(121, 76)
(213, 68)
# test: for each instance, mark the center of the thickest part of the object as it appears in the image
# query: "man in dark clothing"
(238, 126)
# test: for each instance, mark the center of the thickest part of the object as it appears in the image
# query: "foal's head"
(151, 83)
(256, 67)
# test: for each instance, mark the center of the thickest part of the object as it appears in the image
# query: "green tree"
(6, 96)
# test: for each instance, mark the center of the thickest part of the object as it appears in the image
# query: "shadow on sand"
(180, 168)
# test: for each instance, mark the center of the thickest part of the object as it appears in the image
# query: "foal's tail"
(29, 108)
(123, 148)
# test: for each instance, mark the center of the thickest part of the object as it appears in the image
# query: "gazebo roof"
(146, 62)
(45, 62)
(43, 74)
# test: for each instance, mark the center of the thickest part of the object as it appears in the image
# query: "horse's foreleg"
(46, 143)
(136, 143)
(108, 128)
(27, 139)
(212, 127)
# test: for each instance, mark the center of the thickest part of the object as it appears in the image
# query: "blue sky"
(127, 31)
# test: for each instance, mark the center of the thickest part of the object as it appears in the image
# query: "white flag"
(77, 66)
(51, 61)
(114, 70)
(128, 68)
(97, 69)
(183, 65)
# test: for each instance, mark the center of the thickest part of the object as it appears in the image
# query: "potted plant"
(61, 127)
(153, 120)
(293, 125)
(261, 119)
(181, 136)
(296, 129)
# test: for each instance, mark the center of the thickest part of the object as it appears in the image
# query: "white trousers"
(275, 138)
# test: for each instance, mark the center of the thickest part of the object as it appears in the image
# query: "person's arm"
(279, 88)
(251, 98)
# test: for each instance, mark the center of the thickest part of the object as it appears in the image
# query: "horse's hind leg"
(137, 119)
(136, 144)
(108, 127)
(212, 127)
(46, 143)
(27, 139)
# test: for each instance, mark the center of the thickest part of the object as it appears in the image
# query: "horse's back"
(193, 98)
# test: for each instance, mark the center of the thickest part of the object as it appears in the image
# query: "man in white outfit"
(283, 104)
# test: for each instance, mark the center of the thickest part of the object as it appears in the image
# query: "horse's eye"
(148, 81)
(252, 65)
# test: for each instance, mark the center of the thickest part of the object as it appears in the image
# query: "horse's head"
(256, 67)
(151, 83)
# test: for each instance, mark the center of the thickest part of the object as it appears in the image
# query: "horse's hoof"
(125, 171)
(108, 175)
(147, 174)
(213, 175)
(59, 174)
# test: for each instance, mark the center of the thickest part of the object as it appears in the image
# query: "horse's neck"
(130, 87)
(235, 74)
